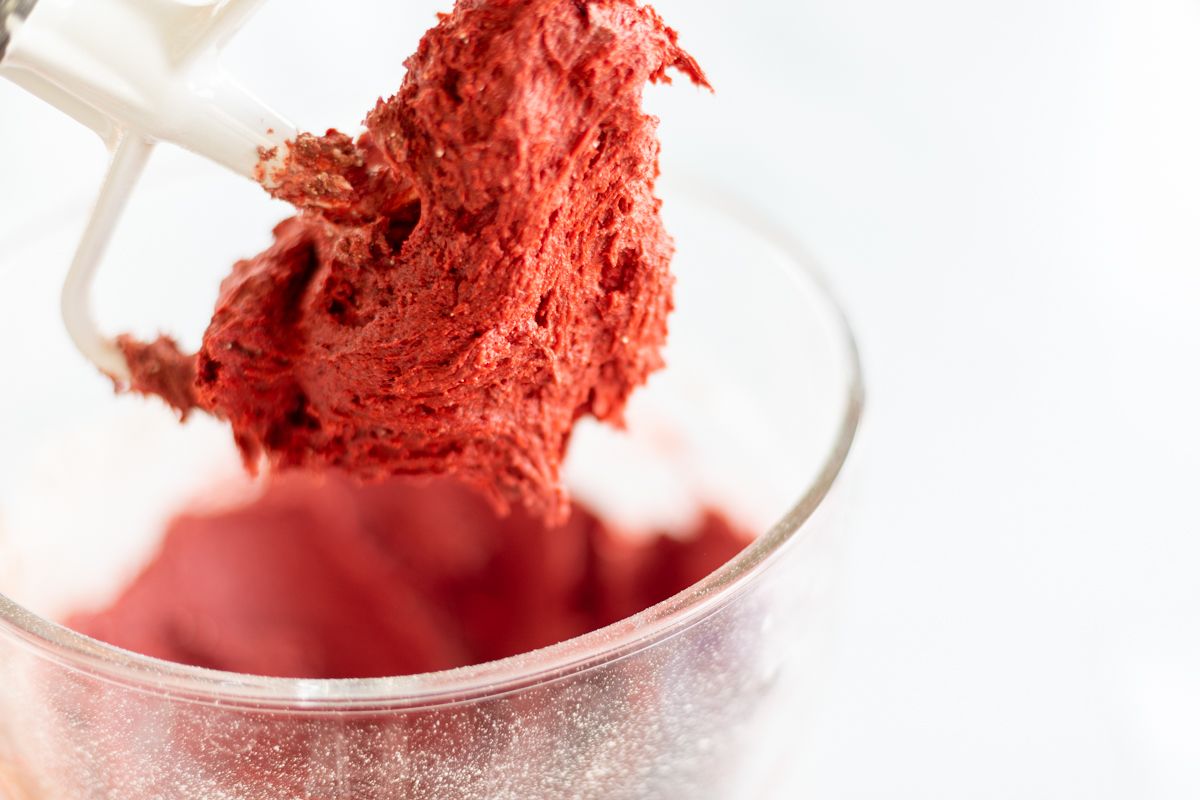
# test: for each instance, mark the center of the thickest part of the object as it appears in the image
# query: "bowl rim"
(75, 651)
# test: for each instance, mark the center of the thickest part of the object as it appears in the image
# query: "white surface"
(1005, 195)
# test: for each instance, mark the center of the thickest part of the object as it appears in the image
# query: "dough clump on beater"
(482, 267)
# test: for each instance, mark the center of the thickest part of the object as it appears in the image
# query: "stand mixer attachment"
(137, 72)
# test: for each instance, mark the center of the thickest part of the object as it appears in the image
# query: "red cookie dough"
(485, 265)
(326, 578)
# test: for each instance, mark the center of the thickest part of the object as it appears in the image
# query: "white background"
(1006, 195)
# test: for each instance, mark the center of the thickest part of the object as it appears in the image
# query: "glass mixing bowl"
(693, 698)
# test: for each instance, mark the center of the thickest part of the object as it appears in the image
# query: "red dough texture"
(481, 268)
(325, 578)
